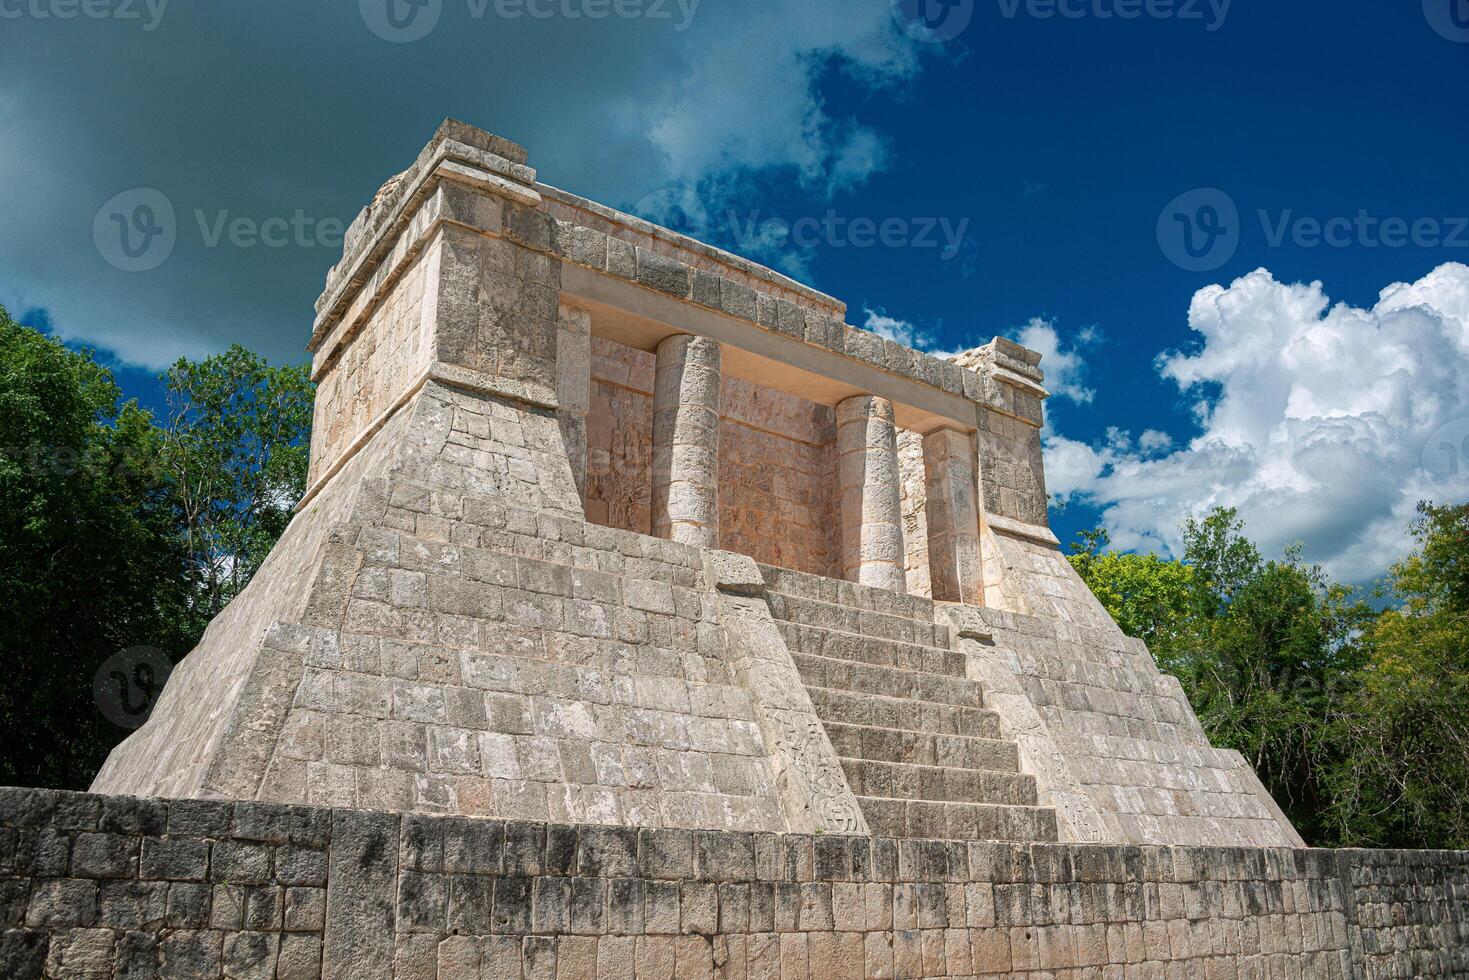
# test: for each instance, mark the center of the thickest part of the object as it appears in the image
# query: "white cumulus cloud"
(1322, 424)
(904, 332)
(1064, 367)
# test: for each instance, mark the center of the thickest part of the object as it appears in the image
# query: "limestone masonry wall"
(485, 712)
(118, 887)
(776, 462)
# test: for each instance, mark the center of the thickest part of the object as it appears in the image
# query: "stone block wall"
(1110, 736)
(620, 438)
(370, 377)
(117, 887)
(776, 462)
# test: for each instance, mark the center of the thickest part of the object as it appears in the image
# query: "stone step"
(848, 619)
(835, 706)
(888, 681)
(922, 748)
(842, 593)
(895, 780)
(872, 650)
(958, 821)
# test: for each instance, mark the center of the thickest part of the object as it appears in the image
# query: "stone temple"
(644, 619)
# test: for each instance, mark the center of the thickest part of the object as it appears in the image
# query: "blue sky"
(1027, 168)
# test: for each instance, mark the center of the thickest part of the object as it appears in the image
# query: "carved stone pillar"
(574, 388)
(953, 517)
(871, 493)
(686, 441)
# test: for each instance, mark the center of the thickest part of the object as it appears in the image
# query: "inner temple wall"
(777, 463)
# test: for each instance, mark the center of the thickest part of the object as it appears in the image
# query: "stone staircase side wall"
(1093, 712)
(112, 887)
(172, 753)
(813, 788)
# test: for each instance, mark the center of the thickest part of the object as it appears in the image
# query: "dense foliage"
(1352, 712)
(119, 531)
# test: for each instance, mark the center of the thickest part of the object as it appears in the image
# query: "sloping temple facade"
(605, 524)
(643, 618)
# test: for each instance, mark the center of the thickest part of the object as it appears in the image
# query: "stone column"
(871, 493)
(686, 441)
(953, 517)
(574, 389)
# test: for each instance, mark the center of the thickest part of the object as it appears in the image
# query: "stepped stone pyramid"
(607, 526)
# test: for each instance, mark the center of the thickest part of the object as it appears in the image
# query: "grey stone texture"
(440, 630)
(435, 898)
(453, 729)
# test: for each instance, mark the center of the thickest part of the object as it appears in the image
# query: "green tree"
(235, 449)
(89, 559)
(1150, 597)
(1402, 780)
(117, 533)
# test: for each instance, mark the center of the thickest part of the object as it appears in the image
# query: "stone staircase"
(921, 752)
